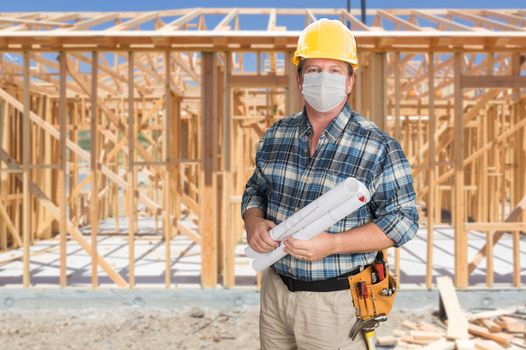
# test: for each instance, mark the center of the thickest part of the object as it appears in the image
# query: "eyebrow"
(318, 66)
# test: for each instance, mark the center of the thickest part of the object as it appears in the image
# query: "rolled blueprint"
(311, 212)
(309, 228)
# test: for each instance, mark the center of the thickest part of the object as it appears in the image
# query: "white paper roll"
(360, 197)
(311, 212)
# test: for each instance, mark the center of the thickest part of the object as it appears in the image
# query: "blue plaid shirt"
(287, 178)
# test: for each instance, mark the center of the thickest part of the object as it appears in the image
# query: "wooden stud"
(94, 157)
(26, 144)
(132, 174)
(63, 167)
(431, 169)
(461, 274)
(206, 222)
(167, 156)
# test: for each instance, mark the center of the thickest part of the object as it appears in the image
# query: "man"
(305, 298)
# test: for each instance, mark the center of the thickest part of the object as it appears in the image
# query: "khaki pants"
(305, 320)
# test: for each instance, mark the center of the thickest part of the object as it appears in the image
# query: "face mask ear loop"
(323, 91)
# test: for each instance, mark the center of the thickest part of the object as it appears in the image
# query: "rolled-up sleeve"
(393, 201)
(256, 189)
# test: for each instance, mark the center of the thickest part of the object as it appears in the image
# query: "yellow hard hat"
(326, 38)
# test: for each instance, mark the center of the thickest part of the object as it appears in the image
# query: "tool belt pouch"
(374, 302)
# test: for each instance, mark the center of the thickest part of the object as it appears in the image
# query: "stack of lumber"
(488, 330)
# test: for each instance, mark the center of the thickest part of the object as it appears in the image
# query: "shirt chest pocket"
(331, 179)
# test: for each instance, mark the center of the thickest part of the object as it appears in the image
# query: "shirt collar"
(334, 129)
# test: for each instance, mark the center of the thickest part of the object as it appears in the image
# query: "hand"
(313, 249)
(258, 235)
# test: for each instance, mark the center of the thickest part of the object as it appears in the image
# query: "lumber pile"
(488, 330)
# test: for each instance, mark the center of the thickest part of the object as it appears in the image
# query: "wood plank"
(62, 173)
(457, 327)
(94, 174)
(484, 333)
(132, 174)
(207, 121)
(441, 344)
(496, 226)
(465, 344)
(181, 21)
(492, 81)
(227, 19)
(167, 156)
(389, 341)
(10, 227)
(259, 81)
(431, 194)
(26, 177)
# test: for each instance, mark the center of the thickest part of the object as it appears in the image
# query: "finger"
(295, 252)
(297, 243)
(271, 224)
(265, 237)
(262, 248)
(265, 245)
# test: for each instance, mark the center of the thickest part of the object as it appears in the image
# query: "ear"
(350, 84)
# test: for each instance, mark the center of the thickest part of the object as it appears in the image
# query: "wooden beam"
(167, 156)
(496, 226)
(461, 275)
(457, 327)
(180, 21)
(505, 16)
(87, 24)
(227, 228)
(10, 227)
(94, 200)
(260, 81)
(398, 21)
(378, 89)
(227, 19)
(309, 17)
(493, 81)
(485, 21)
(34, 22)
(206, 190)
(134, 22)
(440, 20)
(26, 177)
(62, 173)
(132, 174)
(431, 173)
(356, 24)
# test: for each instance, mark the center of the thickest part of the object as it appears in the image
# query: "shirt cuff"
(252, 201)
(397, 227)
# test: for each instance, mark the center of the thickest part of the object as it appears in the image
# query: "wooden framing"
(172, 115)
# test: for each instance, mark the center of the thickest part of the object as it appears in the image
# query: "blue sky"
(143, 5)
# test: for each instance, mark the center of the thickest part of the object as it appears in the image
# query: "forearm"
(251, 214)
(366, 238)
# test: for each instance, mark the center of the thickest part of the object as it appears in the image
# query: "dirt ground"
(145, 328)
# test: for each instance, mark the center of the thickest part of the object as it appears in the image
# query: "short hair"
(302, 61)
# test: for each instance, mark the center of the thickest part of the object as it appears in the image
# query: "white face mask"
(324, 90)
